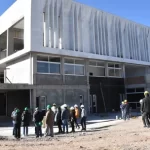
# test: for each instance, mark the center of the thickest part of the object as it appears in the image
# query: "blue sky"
(136, 10)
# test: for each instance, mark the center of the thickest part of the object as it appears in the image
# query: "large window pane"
(79, 70)
(42, 67)
(42, 58)
(117, 66)
(54, 59)
(96, 71)
(54, 68)
(69, 69)
(111, 65)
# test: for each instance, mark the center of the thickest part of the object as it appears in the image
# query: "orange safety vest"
(77, 113)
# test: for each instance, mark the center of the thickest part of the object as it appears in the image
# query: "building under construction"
(65, 52)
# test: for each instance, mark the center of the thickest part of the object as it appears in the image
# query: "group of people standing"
(61, 116)
(125, 110)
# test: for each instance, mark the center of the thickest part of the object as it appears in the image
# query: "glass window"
(69, 61)
(42, 58)
(117, 66)
(42, 67)
(101, 64)
(69, 69)
(79, 70)
(118, 72)
(54, 59)
(80, 62)
(92, 63)
(111, 72)
(54, 68)
(111, 65)
(97, 71)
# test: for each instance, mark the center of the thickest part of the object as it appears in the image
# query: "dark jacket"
(26, 117)
(17, 118)
(145, 106)
(126, 108)
(37, 116)
(65, 114)
(58, 116)
(72, 115)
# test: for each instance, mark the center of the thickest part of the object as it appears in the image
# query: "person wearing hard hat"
(72, 118)
(83, 117)
(65, 118)
(122, 109)
(25, 121)
(17, 123)
(126, 110)
(12, 116)
(49, 119)
(145, 109)
(58, 119)
(77, 115)
(37, 118)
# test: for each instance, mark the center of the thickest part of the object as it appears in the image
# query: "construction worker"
(65, 118)
(122, 109)
(145, 109)
(58, 119)
(126, 110)
(26, 117)
(12, 116)
(17, 123)
(77, 115)
(83, 118)
(37, 118)
(49, 119)
(72, 118)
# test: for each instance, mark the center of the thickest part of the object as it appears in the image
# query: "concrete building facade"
(65, 52)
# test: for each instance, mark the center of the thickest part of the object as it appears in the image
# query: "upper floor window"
(48, 64)
(96, 68)
(74, 67)
(114, 70)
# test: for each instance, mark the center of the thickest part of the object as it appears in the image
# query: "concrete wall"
(61, 96)
(18, 71)
(135, 71)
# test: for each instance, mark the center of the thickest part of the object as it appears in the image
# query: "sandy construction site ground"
(129, 135)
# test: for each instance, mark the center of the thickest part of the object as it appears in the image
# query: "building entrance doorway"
(93, 103)
(3, 104)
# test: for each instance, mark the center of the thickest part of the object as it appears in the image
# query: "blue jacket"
(65, 114)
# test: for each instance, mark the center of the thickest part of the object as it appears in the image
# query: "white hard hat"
(65, 105)
(141, 101)
(75, 105)
(71, 108)
(82, 106)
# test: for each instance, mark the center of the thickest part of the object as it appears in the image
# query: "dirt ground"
(129, 135)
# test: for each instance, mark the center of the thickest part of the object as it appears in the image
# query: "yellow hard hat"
(122, 102)
(125, 101)
(146, 92)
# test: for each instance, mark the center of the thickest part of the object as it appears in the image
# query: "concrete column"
(106, 69)
(33, 100)
(123, 71)
(10, 42)
(62, 70)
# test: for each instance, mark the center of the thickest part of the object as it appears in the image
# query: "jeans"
(13, 129)
(65, 125)
(83, 123)
(17, 130)
(76, 123)
(25, 130)
(126, 115)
